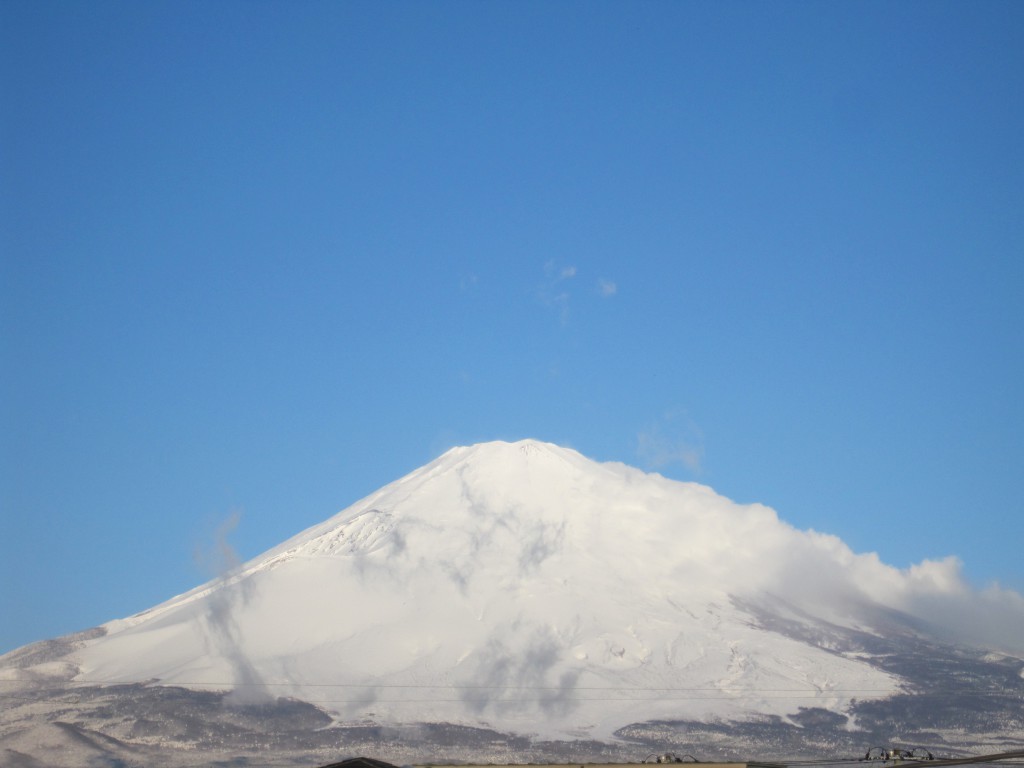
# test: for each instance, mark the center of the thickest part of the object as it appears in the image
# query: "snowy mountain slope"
(526, 588)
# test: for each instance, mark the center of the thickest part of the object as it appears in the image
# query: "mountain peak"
(499, 451)
(509, 584)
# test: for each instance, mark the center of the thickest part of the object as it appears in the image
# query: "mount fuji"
(522, 589)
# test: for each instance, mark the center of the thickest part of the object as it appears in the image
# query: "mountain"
(521, 593)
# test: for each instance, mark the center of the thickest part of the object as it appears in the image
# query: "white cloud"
(672, 440)
(552, 292)
(607, 288)
(820, 573)
(556, 273)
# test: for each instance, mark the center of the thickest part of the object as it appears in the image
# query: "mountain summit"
(525, 588)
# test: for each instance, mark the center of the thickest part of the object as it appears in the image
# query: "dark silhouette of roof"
(360, 762)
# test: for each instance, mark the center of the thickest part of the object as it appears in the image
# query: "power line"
(806, 691)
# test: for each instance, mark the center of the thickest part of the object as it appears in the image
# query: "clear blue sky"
(266, 257)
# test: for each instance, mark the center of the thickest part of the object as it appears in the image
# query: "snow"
(524, 587)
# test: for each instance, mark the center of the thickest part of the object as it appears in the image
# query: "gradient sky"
(261, 258)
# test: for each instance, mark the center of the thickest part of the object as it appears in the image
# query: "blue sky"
(264, 257)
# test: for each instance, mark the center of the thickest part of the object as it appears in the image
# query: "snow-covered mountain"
(524, 588)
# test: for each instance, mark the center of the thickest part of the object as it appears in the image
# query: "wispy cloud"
(554, 291)
(229, 594)
(673, 439)
(518, 659)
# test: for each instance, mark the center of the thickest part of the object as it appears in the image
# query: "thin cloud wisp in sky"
(673, 440)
